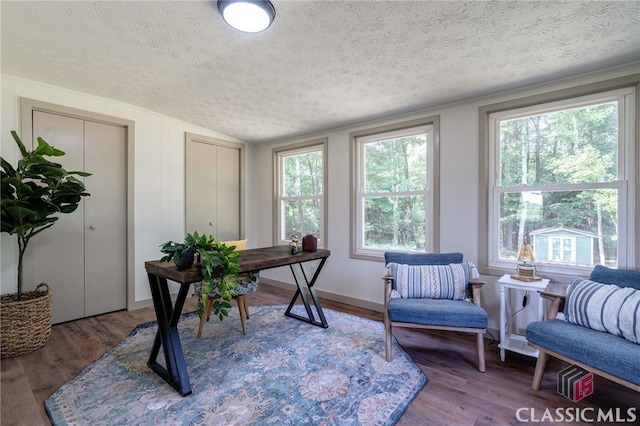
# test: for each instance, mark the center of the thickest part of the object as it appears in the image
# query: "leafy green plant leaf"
(35, 192)
(220, 266)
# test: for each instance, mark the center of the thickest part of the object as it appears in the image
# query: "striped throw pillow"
(604, 307)
(431, 281)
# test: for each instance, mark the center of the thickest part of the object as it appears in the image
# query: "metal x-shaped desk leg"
(301, 291)
(175, 374)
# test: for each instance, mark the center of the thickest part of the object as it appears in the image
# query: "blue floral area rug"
(283, 372)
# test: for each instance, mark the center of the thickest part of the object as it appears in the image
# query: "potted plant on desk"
(220, 266)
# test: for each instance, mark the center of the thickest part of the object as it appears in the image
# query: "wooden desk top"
(250, 260)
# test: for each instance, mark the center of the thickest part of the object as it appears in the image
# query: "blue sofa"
(605, 354)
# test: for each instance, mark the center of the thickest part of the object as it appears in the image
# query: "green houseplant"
(220, 266)
(34, 193)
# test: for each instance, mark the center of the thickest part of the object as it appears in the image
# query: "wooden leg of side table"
(503, 320)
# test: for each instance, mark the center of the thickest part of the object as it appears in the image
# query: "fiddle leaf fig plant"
(220, 266)
(34, 193)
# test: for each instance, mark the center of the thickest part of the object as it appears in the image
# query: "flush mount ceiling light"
(249, 16)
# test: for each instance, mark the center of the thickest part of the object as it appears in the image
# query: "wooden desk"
(168, 314)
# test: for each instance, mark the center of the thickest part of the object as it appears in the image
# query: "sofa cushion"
(604, 307)
(247, 283)
(619, 277)
(442, 312)
(600, 350)
(432, 281)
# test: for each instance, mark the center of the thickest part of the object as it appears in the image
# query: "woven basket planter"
(26, 324)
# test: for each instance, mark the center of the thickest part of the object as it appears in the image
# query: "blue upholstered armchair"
(433, 291)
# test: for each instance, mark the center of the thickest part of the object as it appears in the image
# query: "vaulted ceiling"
(321, 65)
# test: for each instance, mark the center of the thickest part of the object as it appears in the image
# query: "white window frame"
(625, 184)
(279, 153)
(562, 239)
(429, 125)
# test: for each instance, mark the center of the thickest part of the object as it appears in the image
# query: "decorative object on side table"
(293, 245)
(33, 194)
(309, 243)
(220, 266)
(526, 269)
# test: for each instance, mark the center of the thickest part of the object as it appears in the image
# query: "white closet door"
(228, 194)
(105, 219)
(58, 252)
(83, 257)
(213, 190)
(201, 184)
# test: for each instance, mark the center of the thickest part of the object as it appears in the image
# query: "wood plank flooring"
(456, 394)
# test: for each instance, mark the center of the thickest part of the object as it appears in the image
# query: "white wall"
(159, 186)
(159, 173)
(359, 281)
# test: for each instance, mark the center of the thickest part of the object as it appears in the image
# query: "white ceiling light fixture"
(249, 16)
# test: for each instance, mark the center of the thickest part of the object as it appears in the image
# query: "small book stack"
(526, 279)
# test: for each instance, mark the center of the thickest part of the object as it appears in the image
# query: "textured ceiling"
(321, 65)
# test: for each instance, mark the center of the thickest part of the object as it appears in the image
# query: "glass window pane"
(396, 165)
(300, 193)
(303, 174)
(395, 223)
(563, 147)
(577, 227)
(302, 217)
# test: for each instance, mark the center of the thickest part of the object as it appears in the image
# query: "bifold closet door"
(213, 190)
(83, 257)
(228, 194)
(105, 213)
(58, 252)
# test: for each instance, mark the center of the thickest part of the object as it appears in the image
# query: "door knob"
(210, 223)
(92, 227)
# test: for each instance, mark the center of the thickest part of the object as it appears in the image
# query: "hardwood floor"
(456, 394)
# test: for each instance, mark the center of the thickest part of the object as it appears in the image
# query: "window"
(563, 250)
(393, 205)
(300, 191)
(563, 177)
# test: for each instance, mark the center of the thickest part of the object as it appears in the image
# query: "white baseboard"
(145, 303)
(492, 334)
(378, 307)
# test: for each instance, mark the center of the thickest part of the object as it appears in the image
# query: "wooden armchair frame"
(476, 285)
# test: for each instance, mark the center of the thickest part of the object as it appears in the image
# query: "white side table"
(511, 341)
